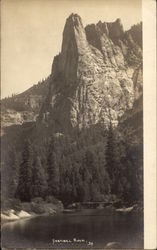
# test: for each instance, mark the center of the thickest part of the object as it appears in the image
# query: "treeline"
(89, 166)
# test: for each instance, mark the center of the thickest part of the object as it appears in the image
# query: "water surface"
(89, 228)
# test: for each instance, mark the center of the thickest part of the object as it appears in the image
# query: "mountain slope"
(87, 118)
(23, 107)
(96, 77)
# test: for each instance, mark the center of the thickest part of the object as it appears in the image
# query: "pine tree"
(89, 161)
(74, 190)
(67, 194)
(13, 165)
(24, 188)
(53, 170)
(134, 173)
(39, 179)
(112, 160)
(62, 177)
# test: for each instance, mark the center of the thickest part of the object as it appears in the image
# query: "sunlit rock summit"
(96, 77)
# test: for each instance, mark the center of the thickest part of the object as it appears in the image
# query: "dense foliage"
(89, 165)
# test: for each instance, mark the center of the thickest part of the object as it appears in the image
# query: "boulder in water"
(23, 214)
(113, 245)
(125, 209)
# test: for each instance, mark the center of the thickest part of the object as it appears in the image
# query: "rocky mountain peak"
(74, 44)
(74, 19)
(115, 29)
(96, 77)
(73, 29)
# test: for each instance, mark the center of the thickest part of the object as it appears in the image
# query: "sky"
(31, 34)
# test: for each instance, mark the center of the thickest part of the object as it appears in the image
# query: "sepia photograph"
(72, 144)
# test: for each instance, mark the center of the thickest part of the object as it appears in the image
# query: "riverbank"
(117, 206)
(12, 215)
(16, 210)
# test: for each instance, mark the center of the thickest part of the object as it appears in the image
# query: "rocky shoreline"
(12, 215)
(16, 210)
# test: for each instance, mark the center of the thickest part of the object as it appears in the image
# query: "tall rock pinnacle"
(74, 44)
(93, 78)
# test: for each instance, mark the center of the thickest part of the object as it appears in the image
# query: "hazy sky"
(32, 34)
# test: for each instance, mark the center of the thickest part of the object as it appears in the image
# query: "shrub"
(11, 204)
(37, 208)
(52, 199)
(37, 200)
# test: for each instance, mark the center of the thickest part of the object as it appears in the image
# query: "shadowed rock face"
(96, 77)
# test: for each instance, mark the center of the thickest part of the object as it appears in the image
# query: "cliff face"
(96, 77)
(24, 107)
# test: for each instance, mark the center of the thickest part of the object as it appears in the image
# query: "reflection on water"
(88, 228)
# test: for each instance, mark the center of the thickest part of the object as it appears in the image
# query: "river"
(89, 228)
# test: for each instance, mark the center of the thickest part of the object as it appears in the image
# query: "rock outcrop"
(24, 107)
(96, 77)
